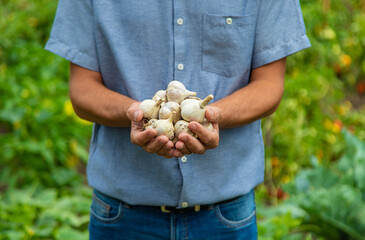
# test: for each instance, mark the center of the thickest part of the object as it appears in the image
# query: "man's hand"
(207, 139)
(147, 139)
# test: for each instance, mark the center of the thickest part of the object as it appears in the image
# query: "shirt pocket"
(227, 44)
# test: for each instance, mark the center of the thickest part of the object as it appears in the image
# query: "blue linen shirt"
(209, 45)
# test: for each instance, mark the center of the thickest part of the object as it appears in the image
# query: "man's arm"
(260, 98)
(96, 103)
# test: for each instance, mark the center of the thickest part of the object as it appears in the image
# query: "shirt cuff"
(279, 52)
(73, 55)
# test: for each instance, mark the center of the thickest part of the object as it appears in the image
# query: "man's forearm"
(96, 103)
(258, 99)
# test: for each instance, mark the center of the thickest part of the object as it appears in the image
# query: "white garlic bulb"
(163, 126)
(149, 124)
(176, 92)
(150, 108)
(182, 126)
(167, 109)
(194, 110)
(208, 125)
(160, 94)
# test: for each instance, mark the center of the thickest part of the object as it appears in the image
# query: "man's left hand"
(205, 140)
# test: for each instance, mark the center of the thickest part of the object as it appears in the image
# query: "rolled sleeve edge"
(281, 51)
(71, 54)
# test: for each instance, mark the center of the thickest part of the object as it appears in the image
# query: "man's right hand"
(147, 139)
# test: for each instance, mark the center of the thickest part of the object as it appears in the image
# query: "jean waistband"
(169, 209)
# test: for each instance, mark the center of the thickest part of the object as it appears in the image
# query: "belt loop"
(163, 209)
(197, 208)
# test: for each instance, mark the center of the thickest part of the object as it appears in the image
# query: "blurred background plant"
(314, 184)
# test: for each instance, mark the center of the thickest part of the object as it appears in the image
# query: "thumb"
(134, 113)
(212, 114)
(137, 115)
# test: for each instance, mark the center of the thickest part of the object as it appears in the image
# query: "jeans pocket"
(227, 44)
(105, 209)
(239, 212)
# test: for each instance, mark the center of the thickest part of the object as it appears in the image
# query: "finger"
(169, 154)
(182, 148)
(212, 114)
(136, 126)
(192, 144)
(155, 145)
(177, 153)
(209, 138)
(134, 113)
(165, 148)
(139, 137)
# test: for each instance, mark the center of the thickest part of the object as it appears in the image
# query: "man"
(122, 52)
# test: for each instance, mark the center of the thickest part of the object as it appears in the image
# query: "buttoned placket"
(179, 41)
(183, 162)
(180, 72)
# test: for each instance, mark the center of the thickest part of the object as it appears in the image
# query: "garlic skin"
(150, 108)
(192, 97)
(167, 109)
(208, 125)
(176, 92)
(149, 124)
(160, 94)
(163, 127)
(182, 126)
(194, 110)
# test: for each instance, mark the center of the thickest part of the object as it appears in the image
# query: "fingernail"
(192, 126)
(135, 115)
(184, 138)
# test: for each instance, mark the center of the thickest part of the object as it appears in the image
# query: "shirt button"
(180, 66)
(184, 204)
(184, 159)
(180, 21)
(229, 20)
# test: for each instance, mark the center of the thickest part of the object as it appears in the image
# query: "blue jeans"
(112, 219)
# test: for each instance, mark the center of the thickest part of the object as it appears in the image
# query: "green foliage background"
(315, 155)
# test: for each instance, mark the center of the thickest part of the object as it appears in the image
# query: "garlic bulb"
(171, 110)
(167, 109)
(194, 110)
(149, 124)
(176, 92)
(160, 94)
(182, 126)
(150, 108)
(208, 125)
(163, 127)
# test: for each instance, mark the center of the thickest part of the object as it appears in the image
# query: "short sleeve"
(280, 31)
(72, 36)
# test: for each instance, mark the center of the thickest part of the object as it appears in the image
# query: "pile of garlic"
(171, 110)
